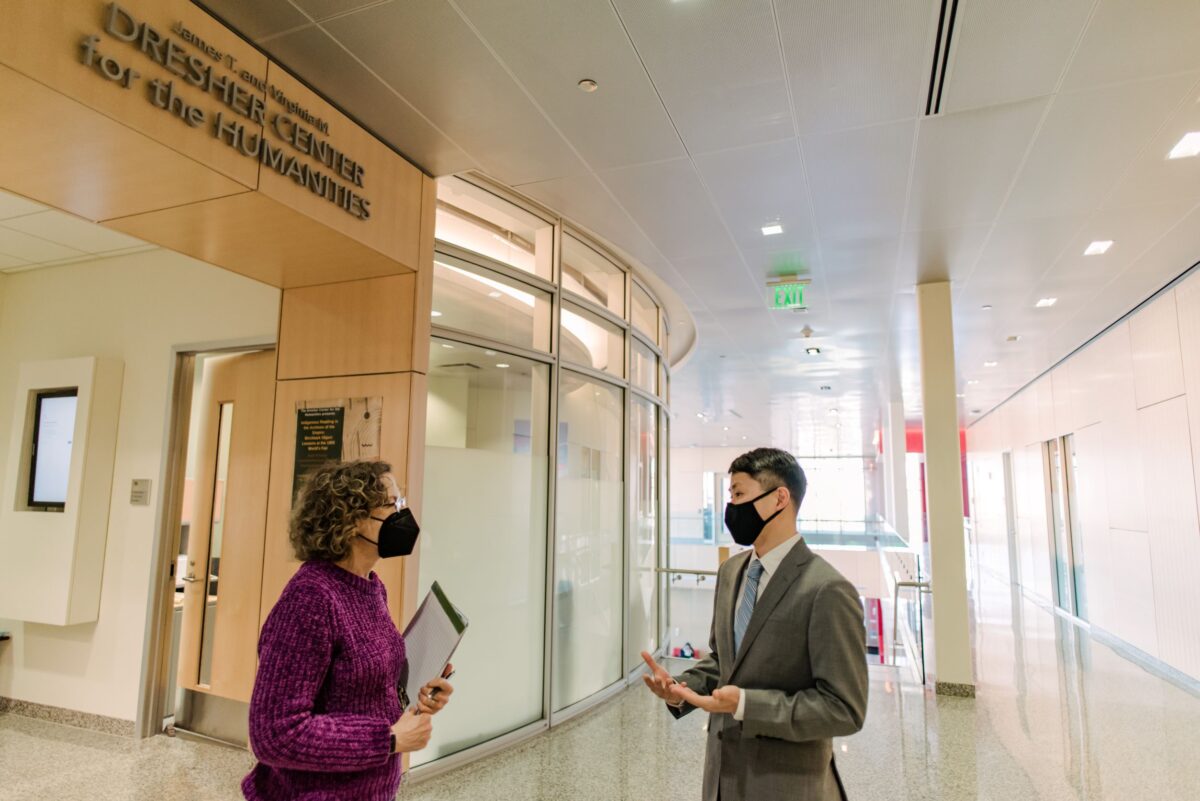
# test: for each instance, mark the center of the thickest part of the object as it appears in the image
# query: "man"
(787, 668)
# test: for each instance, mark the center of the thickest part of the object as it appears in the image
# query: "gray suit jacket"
(803, 666)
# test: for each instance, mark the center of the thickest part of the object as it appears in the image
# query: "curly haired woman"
(325, 720)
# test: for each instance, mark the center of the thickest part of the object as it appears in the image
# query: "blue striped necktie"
(741, 621)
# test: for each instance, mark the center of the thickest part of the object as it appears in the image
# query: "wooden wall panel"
(257, 237)
(42, 40)
(1157, 364)
(349, 328)
(59, 152)
(278, 562)
(391, 185)
(1174, 531)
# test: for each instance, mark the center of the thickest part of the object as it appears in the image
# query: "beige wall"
(133, 308)
(1132, 401)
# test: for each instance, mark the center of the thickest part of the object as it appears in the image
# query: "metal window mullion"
(469, 258)
(594, 308)
(475, 340)
(598, 375)
(548, 663)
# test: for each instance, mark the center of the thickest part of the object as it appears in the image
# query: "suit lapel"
(780, 584)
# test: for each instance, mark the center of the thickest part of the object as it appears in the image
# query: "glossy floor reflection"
(1057, 717)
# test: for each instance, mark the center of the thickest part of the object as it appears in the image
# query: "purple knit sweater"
(329, 660)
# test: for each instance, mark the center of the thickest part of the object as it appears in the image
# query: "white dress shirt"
(770, 562)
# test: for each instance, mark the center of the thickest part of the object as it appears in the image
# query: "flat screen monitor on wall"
(53, 433)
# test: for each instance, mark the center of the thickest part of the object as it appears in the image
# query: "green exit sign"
(788, 296)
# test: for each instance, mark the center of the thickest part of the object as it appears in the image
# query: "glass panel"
(473, 299)
(643, 535)
(484, 514)
(1076, 526)
(1060, 542)
(217, 532)
(477, 220)
(590, 275)
(590, 340)
(590, 504)
(645, 314)
(643, 367)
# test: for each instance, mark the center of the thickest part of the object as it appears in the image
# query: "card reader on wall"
(4, 635)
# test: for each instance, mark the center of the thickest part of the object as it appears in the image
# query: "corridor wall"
(1131, 398)
(131, 308)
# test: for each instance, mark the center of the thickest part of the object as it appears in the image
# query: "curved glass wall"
(545, 353)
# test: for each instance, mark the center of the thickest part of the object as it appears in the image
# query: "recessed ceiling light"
(489, 353)
(986, 307)
(1046, 303)
(493, 294)
(700, 415)
(435, 313)
(813, 351)
(973, 381)
(502, 366)
(1098, 248)
(961, 395)
(447, 345)
(990, 364)
(743, 439)
(1186, 147)
(772, 229)
(833, 411)
(726, 428)
(588, 85)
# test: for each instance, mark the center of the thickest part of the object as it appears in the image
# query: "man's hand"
(659, 681)
(723, 701)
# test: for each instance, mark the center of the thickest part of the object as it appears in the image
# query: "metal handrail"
(685, 572)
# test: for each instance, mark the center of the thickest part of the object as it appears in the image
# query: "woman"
(326, 722)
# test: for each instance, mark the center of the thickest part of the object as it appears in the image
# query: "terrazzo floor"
(1057, 717)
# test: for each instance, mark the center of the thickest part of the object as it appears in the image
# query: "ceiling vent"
(941, 56)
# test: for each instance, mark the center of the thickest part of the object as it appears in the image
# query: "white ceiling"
(715, 117)
(33, 235)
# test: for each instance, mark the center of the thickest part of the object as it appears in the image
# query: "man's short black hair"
(773, 468)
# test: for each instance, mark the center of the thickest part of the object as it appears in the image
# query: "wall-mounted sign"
(787, 295)
(333, 430)
(288, 139)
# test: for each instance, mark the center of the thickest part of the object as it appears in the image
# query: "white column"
(943, 492)
(895, 445)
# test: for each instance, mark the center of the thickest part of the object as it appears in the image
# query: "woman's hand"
(433, 697)
(412, 731)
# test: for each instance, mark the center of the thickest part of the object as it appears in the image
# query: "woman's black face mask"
(397, 535)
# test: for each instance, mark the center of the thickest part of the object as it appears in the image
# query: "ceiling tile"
(1083, 146)
(624, 121)
(259, 19)
(939, 255)
(966, 162)
(32, 249)
(859, 179)
(1133, 231)
(16, 206)
(857, 62)
(1011, 51)
(672, 207)
(323, 9)
(72, 232)
(314, 56)
(717, 68)
(8, 262)
(1016, 257)
(758, 185)
(1153, 177)
(1130, 40)
(426, 52)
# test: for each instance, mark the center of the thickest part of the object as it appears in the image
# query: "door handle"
(190, 578)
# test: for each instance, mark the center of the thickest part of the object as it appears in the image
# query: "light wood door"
(233, 416)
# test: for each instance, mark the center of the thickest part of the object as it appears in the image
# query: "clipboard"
(430, 640)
